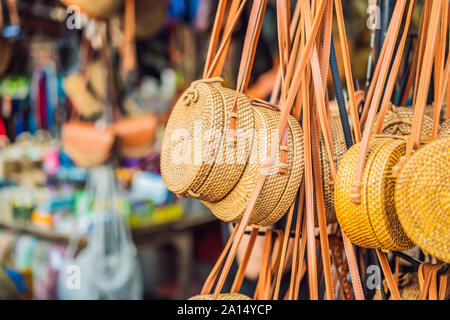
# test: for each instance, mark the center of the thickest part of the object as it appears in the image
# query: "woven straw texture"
(398, 121)
(232, 207)
(378, 195)
(339, 149)
(195, 158)
(373, 223)
(409, 288)
(422, 199)
(444, 130)
(222, 297)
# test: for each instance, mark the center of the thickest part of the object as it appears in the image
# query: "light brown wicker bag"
(208, 137)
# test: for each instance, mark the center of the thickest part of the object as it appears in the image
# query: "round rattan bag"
(373, 223)
(422, 198)
(222, 297)
(339, 149)
(444, 130)
(196, 158)
(279, 189)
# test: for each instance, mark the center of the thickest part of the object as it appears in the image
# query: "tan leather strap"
(388, 275)
(441, 78)
(443, 286)
(211, 67)
(287, 106)
(233, 16)
(209, 283)
(129, 47)
(287, 232)
(386, 62)
(236, 287)
(259, 292)
(394, 71)
(347, 69)
(13, 12)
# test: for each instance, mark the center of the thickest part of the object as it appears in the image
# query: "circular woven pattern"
(96, 9)
(339, 150)
(196, 160)
(444, 130)
(398, 121)
(378, 195)
(233, 206)
(422, 198)
(222, 297)
(352, 217)
(373, 223)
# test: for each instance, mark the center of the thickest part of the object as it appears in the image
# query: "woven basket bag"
(340, 149)
(373, 223)
(398, 121)
(279, 188)
(422, 198)
(444, 130)
(196, 160)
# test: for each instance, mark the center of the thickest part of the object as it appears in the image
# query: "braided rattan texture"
(422, 198)
(444, 130)
(398, 121)
(203, 113)
(352, 217)
(233, 206)
(339, 149)
(378, 195)
(222, 297)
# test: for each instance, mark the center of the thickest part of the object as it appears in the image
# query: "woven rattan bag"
(102, 9)
(422, 198)
(196, 159)
(280, 186)
(373, 223)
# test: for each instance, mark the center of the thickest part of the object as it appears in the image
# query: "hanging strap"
(388, 274)
(424, 84)
(347, 69)
(243, 266)
(129, 48)
(287, 106)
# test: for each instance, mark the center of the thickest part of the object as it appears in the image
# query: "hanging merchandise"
(150, 17)
(108, 266)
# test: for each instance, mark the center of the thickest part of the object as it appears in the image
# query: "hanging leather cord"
(340, 97)
(392, 38)
(388, 274)
(287, 106)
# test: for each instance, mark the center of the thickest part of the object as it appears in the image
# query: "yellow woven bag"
(373, 223)
(196, 160)
(279, 189)
(422, 198)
